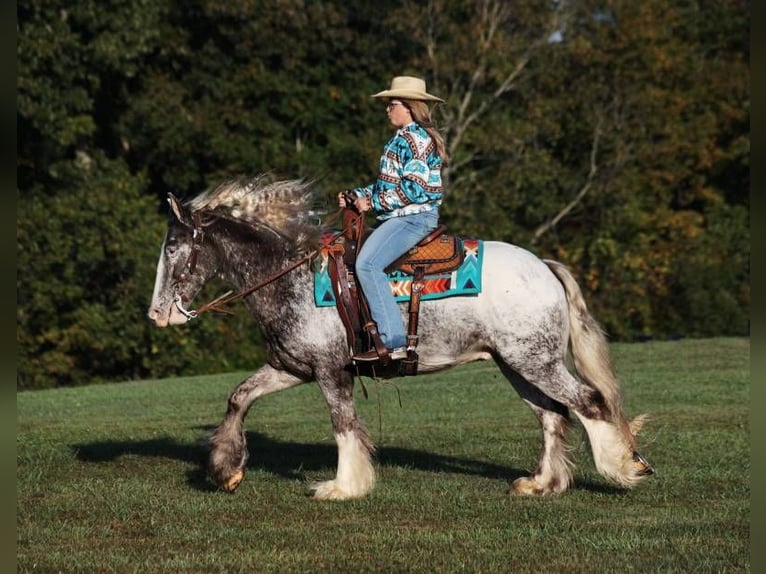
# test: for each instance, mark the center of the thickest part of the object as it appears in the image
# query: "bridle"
(217, 304)
(198, 236)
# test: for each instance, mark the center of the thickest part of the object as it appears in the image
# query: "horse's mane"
(285, 208)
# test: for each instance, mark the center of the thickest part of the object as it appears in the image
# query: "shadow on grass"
(294, 460)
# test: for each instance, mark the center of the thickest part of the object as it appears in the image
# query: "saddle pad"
(466, 280)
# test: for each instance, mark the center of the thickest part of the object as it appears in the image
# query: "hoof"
(234, 481)
(527, 486)
(640, 465)
(330, 490)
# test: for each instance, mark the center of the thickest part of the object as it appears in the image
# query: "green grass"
(109, 477)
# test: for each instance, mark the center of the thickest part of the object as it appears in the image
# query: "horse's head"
(186, 263)
(256, 221)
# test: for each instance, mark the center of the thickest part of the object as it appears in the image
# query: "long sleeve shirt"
(409, 178)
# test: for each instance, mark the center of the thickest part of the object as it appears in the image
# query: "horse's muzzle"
(168, 317)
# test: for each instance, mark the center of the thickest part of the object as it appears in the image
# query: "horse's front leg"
(228, 447)
(355, 476)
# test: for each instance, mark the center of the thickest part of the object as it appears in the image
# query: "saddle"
(437, 252)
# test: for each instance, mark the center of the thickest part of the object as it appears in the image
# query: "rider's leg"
(386, 244)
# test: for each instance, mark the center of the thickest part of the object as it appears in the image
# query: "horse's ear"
(178, 209)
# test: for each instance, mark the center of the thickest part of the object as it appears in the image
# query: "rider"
(405, 199)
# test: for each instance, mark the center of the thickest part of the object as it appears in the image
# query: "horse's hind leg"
(355, 476)
(554, 471)
(228, 447)
(612, 438)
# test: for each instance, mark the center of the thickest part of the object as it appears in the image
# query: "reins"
(217, 304)
(227, 298)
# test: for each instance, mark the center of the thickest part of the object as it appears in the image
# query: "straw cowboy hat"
(408, 88)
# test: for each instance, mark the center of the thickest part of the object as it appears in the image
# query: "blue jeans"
(389, 241)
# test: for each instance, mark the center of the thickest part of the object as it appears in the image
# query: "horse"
(258, 234)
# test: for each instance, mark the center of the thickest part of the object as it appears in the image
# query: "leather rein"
(217, 304)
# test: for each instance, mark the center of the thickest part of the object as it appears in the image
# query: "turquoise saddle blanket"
(465, 280)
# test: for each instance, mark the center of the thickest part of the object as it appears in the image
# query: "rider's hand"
(363, 204)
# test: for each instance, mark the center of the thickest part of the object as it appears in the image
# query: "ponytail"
(422, 115)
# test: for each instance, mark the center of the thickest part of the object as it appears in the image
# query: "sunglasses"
(391, 105)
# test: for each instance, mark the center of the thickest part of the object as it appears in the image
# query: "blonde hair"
(422, 115)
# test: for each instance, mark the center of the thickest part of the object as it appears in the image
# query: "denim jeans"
(389, 241)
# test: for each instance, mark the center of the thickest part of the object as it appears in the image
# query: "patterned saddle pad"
(465, 280)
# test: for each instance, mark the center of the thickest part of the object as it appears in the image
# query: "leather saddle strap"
(414, 311)
(370, 326)
(372, 330)
(344, 302)
(348, 294)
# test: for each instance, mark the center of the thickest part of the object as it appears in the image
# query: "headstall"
(198, 235)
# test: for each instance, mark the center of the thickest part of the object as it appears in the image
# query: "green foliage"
(617, 149)
(80, 276)
(86, 261)
(73, 63)
(263, 86)
(611, 136)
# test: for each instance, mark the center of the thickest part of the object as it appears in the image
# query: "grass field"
(109, 477)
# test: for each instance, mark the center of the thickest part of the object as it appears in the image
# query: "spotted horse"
(260, 236)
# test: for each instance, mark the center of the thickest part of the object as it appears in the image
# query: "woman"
(405, 199)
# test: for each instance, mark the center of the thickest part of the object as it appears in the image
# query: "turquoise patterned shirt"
(409, 179)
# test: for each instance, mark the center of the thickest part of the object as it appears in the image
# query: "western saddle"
(437, 252)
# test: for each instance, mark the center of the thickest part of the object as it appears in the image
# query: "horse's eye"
(171, 247)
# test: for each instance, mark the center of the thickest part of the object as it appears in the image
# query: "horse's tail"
(589, 346)
(615, 454)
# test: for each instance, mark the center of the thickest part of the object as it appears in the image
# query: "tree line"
(610, 135)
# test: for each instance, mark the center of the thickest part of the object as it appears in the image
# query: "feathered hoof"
(329, 490)
(231, 484)
(641, 467)
(528, 486)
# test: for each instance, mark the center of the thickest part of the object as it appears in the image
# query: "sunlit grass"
(109, 477)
